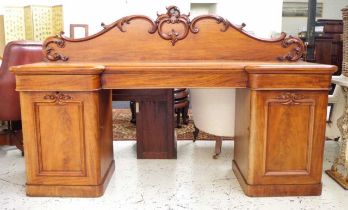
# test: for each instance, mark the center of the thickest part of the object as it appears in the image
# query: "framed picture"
(78, 30)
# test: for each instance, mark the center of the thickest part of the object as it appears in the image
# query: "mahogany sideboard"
(280, 101)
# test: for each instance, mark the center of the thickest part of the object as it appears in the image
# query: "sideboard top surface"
(174, 65)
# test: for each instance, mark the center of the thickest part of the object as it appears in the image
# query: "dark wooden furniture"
(154, 111)
(15, 53)
(281, 102)
(328, 45)
(181, 106)
(328, 48)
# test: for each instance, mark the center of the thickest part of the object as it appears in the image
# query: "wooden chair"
(181, 105)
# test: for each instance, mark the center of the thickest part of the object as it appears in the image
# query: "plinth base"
(276, 189)
(70, 190)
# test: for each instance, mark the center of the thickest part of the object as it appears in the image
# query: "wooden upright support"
(67, 120)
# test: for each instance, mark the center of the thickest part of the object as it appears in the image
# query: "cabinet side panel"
(242, 131)
(105, 113)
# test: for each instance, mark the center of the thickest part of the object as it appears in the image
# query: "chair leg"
(195, 133)
(132, 108)
(177, 112)
(218, 144)
(185, 116)
(17, 140)
(13, 135)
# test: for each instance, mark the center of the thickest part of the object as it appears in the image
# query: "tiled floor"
(193, 181)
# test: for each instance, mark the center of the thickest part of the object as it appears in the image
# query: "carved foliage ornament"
(290, 98)
(171, 18)
(296, 52)
(59, 98)
(50, 52)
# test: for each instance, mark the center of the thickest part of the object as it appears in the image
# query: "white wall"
(331, 10)
(263, 18)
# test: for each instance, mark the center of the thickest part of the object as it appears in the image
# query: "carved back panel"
(172, 36)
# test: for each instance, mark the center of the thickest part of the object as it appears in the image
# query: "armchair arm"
(340, 80)
(337, 94)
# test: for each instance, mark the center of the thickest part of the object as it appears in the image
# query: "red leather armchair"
(15, 53)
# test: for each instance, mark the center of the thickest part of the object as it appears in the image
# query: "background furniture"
(339, 169)
(327, 42)
(213, 111)
(181, 106)
(78, 34)
(16, 53)
(154, 113)
(328, 50)
(32, 22)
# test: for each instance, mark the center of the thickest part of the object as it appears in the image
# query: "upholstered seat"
(15, 53)
(213, 112)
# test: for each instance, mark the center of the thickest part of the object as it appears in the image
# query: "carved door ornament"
(290, 98)
(58, 97)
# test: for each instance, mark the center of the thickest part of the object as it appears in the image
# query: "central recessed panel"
(60, 131)
(288, 132)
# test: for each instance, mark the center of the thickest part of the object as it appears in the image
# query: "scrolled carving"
(290, 98)
(226, 24)
(50, 51)
(297, 51)
(126, 20)
(59, 98)
(173, 16)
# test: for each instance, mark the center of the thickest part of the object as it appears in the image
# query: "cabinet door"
(289, 135)
(60, 136)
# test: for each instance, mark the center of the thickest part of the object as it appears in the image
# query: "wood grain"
(155, 121)
(56, 156)
(281, 110)
(286, 137)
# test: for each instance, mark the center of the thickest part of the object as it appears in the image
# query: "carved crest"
(171, 18)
